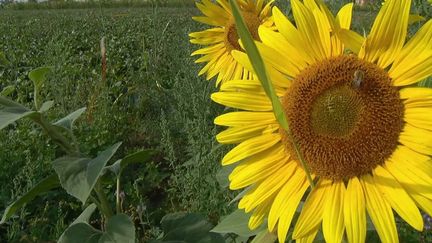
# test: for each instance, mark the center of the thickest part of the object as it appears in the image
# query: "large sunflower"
(364, 130)
(222, 38)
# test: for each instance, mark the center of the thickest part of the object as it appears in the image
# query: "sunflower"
(362, 126)
(222, 38)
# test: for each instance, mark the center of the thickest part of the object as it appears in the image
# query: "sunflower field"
(216, 121)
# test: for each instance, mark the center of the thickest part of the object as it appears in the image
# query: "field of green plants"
(148, 96)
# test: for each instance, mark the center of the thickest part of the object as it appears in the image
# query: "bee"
(358, 79)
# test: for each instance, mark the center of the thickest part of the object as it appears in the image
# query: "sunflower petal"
(299, 187)
(414, 62)
(268, 187)
(250, 147)
(258, 167)
(355, 212)
(417, 139)
(246, 101)
(313, 209)
(333, 216)
(379, 211)
(388, 32)
(397, 197)
(242, 118)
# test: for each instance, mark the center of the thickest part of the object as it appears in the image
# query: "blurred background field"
(151, 98)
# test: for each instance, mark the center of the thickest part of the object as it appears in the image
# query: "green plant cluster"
(151, 98)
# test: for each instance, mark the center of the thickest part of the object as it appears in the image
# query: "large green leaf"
(68, 121)
(236, 223)
(45, 185)
(119, 229)
(11, 111)
(83, 218)
(189, 228)
(85, 215)
(138, 157)
(80, 232)
(79, 175)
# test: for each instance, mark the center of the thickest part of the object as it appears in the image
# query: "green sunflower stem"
(259, 68)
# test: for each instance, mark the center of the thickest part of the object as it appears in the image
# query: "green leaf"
(119, 229)
(78, 175)
(46, 106)
(38, 76)
(138, 157)
(83, 218)
(80, 232)
(11, 111)
(236, 223)
(85, 215)
(7, 90)
(264, 237)
(3, 60)
(68, 121)
(45, 185)
(189, 228)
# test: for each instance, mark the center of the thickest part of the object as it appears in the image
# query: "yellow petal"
(351, 40)
(397, 197)
(414, 62)
(239, 134)
(333, 217)
(243, 118)
(355, 212)
(259, 214)
(412, 170)
(308, 29)
(417, 139)
(258, 167)
(292, 35)
(284, 199)
(423, 203)
(388, 32)
(419, 117)
(287, 212)
(294, 55)
(344, 16)
(251, 147)
(379, 211)
(243, 100)
(313, 209)
(309, 238)
(268, 187)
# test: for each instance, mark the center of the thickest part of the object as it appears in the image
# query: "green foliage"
(119, 229)
(45, 185)
(79, 175)
(188, 228)
(237, 223)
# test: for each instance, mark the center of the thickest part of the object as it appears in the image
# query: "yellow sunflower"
(222, 38)
(362, 127)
